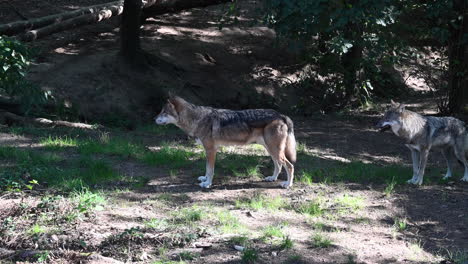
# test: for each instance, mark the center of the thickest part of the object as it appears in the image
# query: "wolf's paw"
(415, 181)
(286, 184)
(447, 176)
(270, 178)
(205, 184)
(202, 178)
(465, 178)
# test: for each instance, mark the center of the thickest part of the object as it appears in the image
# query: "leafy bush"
(15, 59)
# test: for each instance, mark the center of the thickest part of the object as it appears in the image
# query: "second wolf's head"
(392, 118)
(170, 111)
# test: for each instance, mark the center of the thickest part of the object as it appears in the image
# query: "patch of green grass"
(355, 171)
(390, 187)
(28, 158)
(348, 202)
(36, 229)
(400, 224)
(320, 241)
(306, 178)
(110, 146)
(228, 223)
(88, 201)
(189, 215)
(273, 231)
(286, 243)
(249, 256)
(187, 255)
(159, 224)
(312, 208)
(239, 240)
(54, 143)
(259, 202)
(169, 156)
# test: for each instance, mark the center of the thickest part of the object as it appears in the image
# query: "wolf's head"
(392, 118)
(170, 111)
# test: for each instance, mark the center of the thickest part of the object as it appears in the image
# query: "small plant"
(229, 223)
(189, 215)
(55, 143)
(286, 243)
(43, 256)
(320, 241)
(306, 178)
(239, 240)
(312, 208)
(159, 224)
(273, 231)
(87, 201)
(36, 230)
(259, 202)
(390, 187)
(249, 255)
(187, 255)
(351, 203)
(400, 224)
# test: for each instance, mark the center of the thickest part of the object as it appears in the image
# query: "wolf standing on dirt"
(422, 133)
(216, 127)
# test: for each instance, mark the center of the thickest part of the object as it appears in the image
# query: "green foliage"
(321, 241)
(14, 63)
(334, 35)
(249, 255)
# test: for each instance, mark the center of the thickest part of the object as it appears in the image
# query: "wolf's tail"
(291, 140)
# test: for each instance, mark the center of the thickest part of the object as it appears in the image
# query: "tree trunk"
(458, 61)
(130, 30)
(352, 62)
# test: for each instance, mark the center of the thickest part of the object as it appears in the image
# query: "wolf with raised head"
(216, 127)
(422, 133)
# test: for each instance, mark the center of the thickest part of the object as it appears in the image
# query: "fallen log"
(8, 118)
(108, 12)
(18, 27)
(41, 27)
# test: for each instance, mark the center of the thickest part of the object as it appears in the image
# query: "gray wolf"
(216, 127)
(422, 133)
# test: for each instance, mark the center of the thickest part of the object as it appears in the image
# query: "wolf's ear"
(401, 108)
(394, 104)
(177, 102)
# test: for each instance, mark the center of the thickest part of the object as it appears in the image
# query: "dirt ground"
(211, 64)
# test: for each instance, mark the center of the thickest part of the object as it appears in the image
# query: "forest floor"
(106, 195)
(133, 196)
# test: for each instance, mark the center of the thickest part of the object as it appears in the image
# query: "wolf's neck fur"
(189, 117)
(411, 124)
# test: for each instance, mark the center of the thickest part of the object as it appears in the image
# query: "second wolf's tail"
(291, 140)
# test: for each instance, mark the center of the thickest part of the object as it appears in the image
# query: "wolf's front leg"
(423, 155)
(207, 180)
(415, 158)
(449, 157)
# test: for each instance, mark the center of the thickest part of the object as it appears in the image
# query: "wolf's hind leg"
(460, 153)
(275, 136)
(449, 157)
